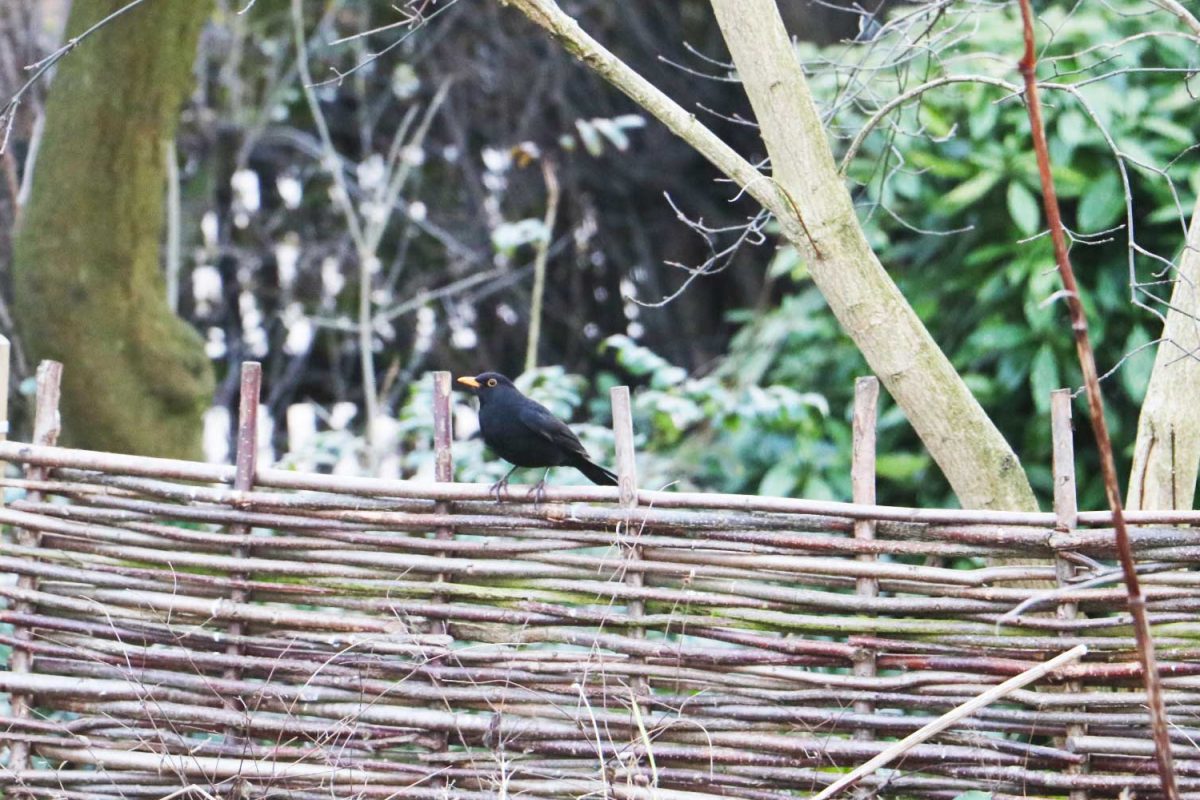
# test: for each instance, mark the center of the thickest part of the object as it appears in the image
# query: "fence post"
(443, 465)
(243, 481)
(443, 472)
(46, 426)
(862, 482)
(1066, 516)
(622, 414)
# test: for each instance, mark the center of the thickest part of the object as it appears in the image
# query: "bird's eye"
(491, 381)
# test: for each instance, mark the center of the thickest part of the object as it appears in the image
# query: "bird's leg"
(501, 485)
(538, 492)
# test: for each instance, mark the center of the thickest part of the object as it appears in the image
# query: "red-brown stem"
(1091, 380)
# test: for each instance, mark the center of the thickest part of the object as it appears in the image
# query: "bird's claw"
(538, 492)
(499, 486)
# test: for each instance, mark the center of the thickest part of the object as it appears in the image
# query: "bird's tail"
(596, 473)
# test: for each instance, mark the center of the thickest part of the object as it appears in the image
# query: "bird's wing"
(538, 419)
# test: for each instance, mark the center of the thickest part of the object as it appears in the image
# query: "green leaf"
(1043, 378)
(988, 254)
(642, 361)
(592, 142)
(983, 117)
(819, 489)
(787, 262)
(900, 466)
(939, 166)
(1168, 214)
(969, 192)
(1023, 208)
(993, 336)
(1101, 205)
(779, 481)
(1068, 181)
(1135, 372)
(1181, 134)
(1073, 127)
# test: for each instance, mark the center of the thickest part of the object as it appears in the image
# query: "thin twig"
(539, 264)
(1185, 16)
(367, 234)
(365, 257)
(904, 97)
(1087, 361)
(8, 111)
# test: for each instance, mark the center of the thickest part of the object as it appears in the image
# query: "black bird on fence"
(524, 433)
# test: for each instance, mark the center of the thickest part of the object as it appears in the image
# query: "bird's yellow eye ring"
(491, 381)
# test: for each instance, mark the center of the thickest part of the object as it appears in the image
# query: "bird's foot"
(538, 492)
(499, 486)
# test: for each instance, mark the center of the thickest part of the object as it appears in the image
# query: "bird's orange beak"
(465, 381)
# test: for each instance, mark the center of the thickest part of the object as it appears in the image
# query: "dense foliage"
(952, 202)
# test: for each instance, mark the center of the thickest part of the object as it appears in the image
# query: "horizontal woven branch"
(313, 636)
(172, 469)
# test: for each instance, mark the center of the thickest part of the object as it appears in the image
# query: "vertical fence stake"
(443, 465)
(862, 481)
(622, 414)
(443, 472)
(243, 481)
(1066, 514)
(46, 426)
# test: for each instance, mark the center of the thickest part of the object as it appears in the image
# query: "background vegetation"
(744, 379)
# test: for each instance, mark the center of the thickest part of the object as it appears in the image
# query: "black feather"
(526, 434)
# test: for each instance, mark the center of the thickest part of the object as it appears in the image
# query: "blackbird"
(524, 433)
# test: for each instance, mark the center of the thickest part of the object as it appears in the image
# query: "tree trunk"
(813, 207)
(87, 282)
(1167, 453)
(981, 467)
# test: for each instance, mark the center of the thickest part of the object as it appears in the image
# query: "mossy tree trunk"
(87, 281)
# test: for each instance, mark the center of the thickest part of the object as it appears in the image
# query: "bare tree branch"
(366, 232)
(539, 265)
(807, 196)
(1176, 8)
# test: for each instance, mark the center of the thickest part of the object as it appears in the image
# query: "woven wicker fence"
(185, 629)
